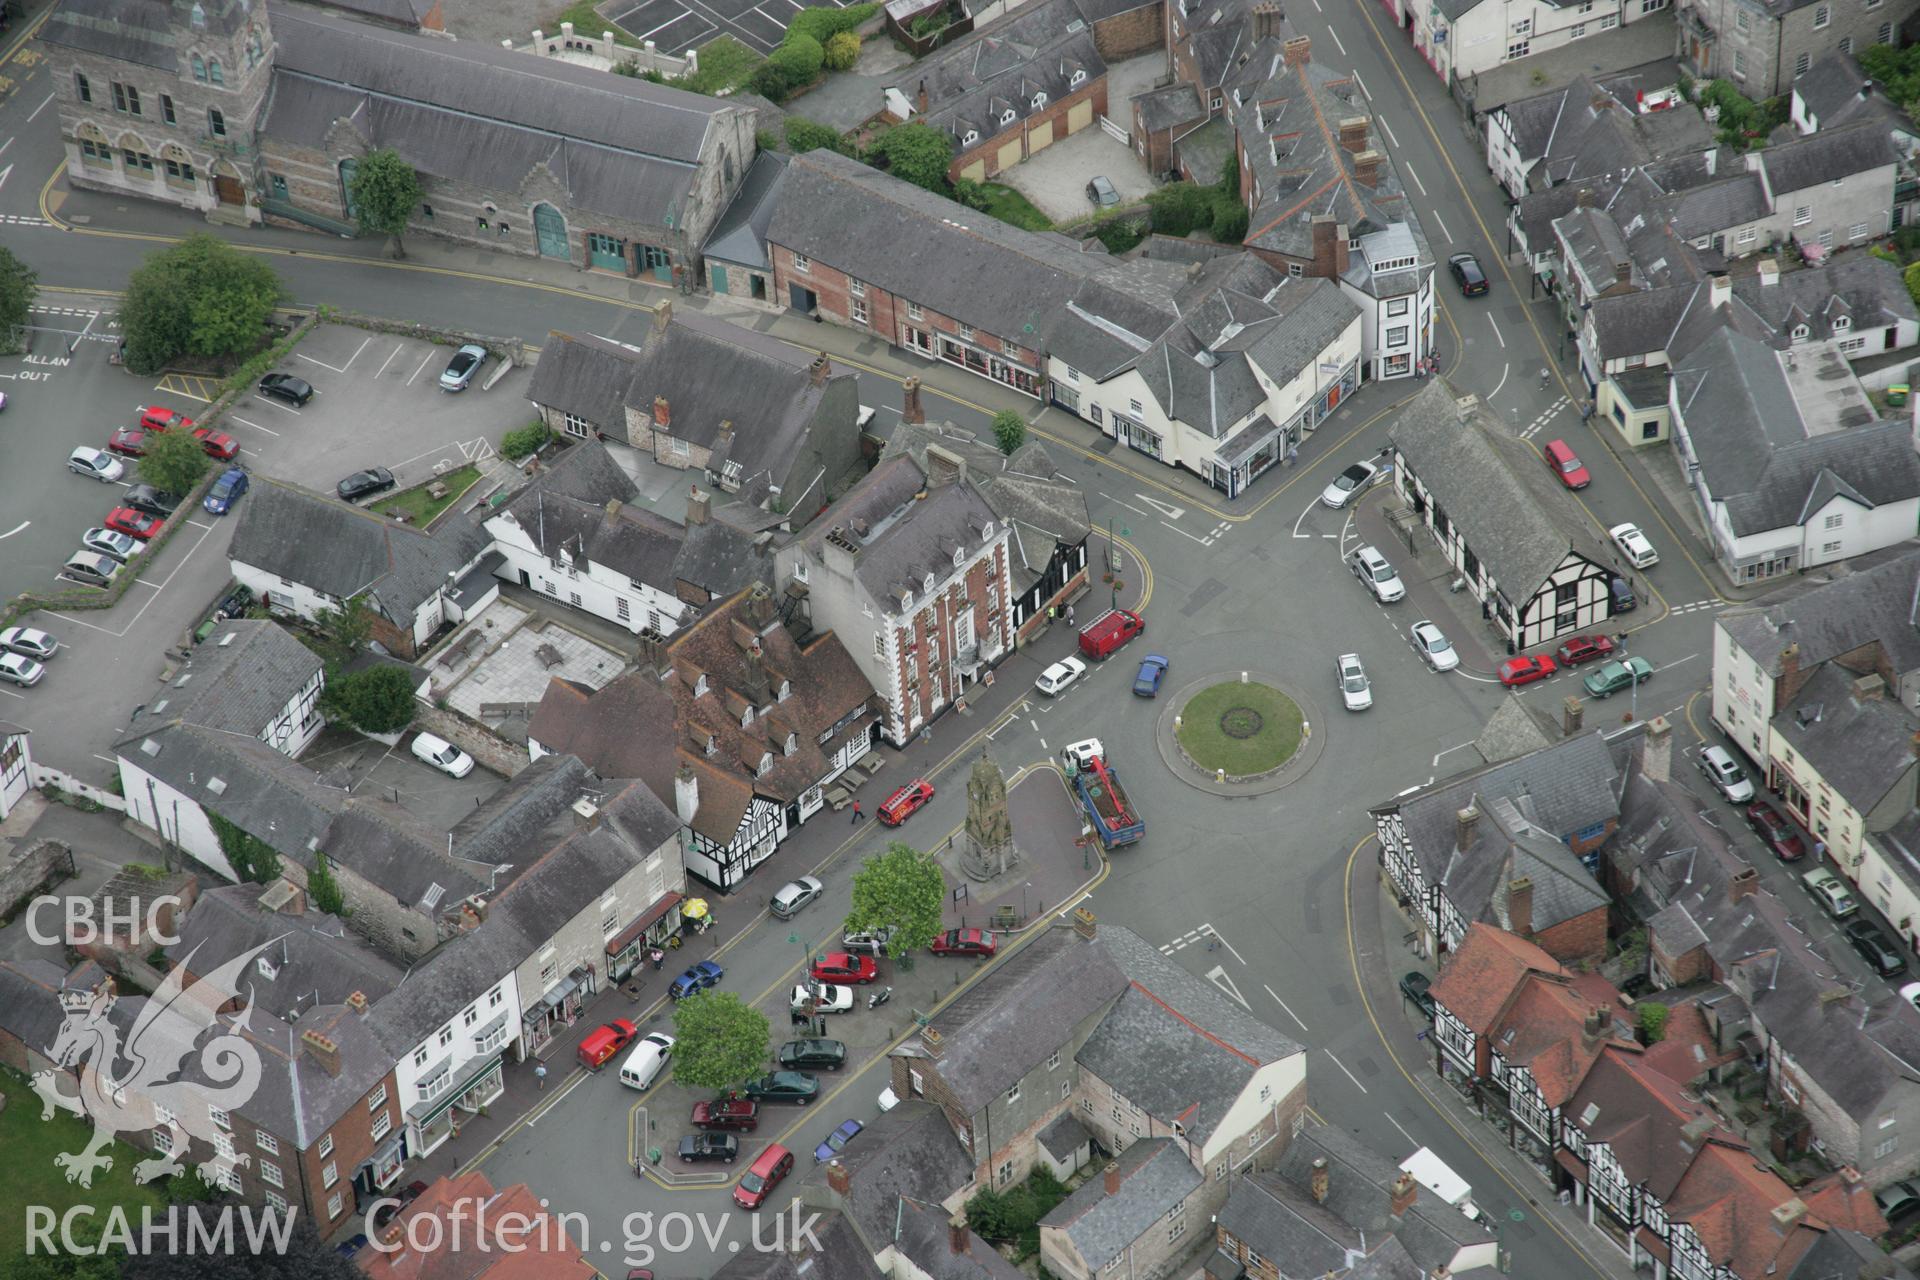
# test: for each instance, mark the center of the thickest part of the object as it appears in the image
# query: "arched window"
(199, 68)
(198, 16)
(94, 147)
(214, 74)
(726, 167)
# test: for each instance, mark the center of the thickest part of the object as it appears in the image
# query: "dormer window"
(959, 557)
(1039, 101)
(986, 530)
(906, 601)
(766, 763)
(927, 586)
(972, 137)
(1800, 333)
(785, 689)
(712, 746)
(1007, 117)
(793, 743)
(746, 717)
(1077, 78)
(1842, 323)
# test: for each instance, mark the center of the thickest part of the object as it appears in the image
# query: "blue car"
(1152, 671)
(699, 978)
(836, 1141)
(225, 492)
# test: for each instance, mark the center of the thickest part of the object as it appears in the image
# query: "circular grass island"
(1247, 729)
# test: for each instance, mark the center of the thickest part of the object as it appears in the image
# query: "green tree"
(804, 135)
(385, 193)
(91, 1263)
(1230, 176)
(823, 23)
(323, 889)
(1009, 430)
(916, 153)
(253, 860)
(1653, 1021)
(174, 461)
(1229, 222)
(1897, 69)
(798, 58)
(842, 51)
(1180, 208)
(200, 297)
(376, 699)
(344, 630)
(719, 1040)
(902, 890)
(17, 289)
(1912, 276)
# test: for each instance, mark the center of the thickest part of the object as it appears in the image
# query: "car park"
(600, 1044)
(702, 975)
(905, 802)
(1055, 679)
(91, 569)
(128, 442)
(1615, 676)
(964, 942)
(1565, 465)
(111, 542)
(728, 1113)
(1728, 778)
(463, 368)
(1102, 193)
(1775, 832)
(96, 464)
(286, 388)
(1377, 575)
(1466, 272)
(1515, 672)
(30, 642)
(1106, 634)
(696, 1148)
(794, 895)
(1831, 892)
(363, 484)
(155, 502)
(225, 492)
(1153, 669)
(1417, 987)
(1352, 482)
(1433, 647)
(1355, 692)
(769, 1170)
(820, 997)
(442, 755)
(648, 1059)
(796, 1087)
(871, 943)
(1634, 546)
(135, 524)
(18, 668)
(217, 444)
(844, 966)
(1880, 952)
(846, 1131)
(157, 417)
(812, 1055)
(1578, 649)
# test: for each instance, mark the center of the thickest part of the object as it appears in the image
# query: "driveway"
(1056, 179)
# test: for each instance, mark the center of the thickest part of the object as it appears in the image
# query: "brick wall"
(987, 153)
(25, 873)
(1129, 33)
(491, 750)
(1578, 942)
(353, 1144)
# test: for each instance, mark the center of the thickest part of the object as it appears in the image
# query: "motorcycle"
(877, 998)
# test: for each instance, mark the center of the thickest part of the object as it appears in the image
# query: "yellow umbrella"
(694, 908)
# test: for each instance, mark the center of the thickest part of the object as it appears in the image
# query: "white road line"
(196, 524)
(284, 408)
(1396, 1124)
(423, 364)
(5, 145)
(389, 360)
(663, 26)
(1044, 746)
(1317, 8)
(1443, 227)
(1416, 179)
(42, 107)
(1128, 505)
(1336, 41)
(1228, 945)
(256, 426)
(11, 694)
(1343, 1070)
(1033, 724)
(1363, 87)
(995, 731)
(1470, 676)
(1218, 976)
(1496, 330)
(17, 528)
(4, 173)
(1458, 746)
(1676, 662)
(1296, 524)
(1503, 381)
(1283, 1004)
(1329, 535)
(158, 587)
(1183, 533)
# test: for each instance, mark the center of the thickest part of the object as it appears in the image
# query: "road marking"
(17, 528)
(1415, 177)
(1443, 226)
(1166, 509)
(1403, 1131)
(1546, 415)
(1336, 41)
(1283, 1004)
(1496, 330)
(1343, 1070)
(11, 694)
(158, 587)
(1303, 515)
(42, 107)
(196, 524)
(1033, 724)
(1458, 746)
(4, 174)
(350, 359)
(994, 732)
(1218, 976)
(5, 145)
(1044, 746)
(1128, 505)
(1317, 8)
(1676, 662)
(389, 360)
(1363, 86)
(1388, 129)
(1205, 542)
(423, 364)
(1329, 535)
(256, 426)
(1504, 369)
(1693, 605)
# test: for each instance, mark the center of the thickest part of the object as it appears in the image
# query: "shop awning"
(387, 1151)
(425, 1113)
(567, 986)
(650, 917)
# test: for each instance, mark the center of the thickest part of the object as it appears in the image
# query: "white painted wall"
(176, 817)
(424, 1059)
(1267, 1088)
(16, 770)
(1858, 530)
(600, 589)
(1742, 697)
(303, 600)
(1480, 38)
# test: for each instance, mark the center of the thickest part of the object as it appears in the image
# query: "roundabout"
(1238, 734)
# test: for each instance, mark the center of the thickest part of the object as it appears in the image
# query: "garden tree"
(1009, 430)
(1897, 69)
(719, 1040)
(173, 461)
(343, 631)
(200, 297)
(323, 889)
(1229, 222)
(902, 890)
(385, 193)
(798, 58)
(916, 153)
(1180, 208)
(1653, 1021)
(1912, 277)
(842, 51)
(17, 289)
(90, 1263)
(305, 1257)
(804, 135)
(373, 699)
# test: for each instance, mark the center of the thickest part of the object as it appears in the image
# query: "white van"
(644, 1065)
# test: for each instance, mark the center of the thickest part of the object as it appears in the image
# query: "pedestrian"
(659, 959)
(540, 1074)
(1620, 642)
(926, 734)
(1819, 850)
(856, 813)
(1545, 378)
(1293, 454)
(1069, 615)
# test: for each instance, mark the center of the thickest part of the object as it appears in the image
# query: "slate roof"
(1836, 91)
(1829, 156)
(1155, 1175)
(1514, 729)
(908, 538)
(974, 81)
(842, 1256)
(908, 1152)
(1845, 1255)
(315, 960)
(455, 975)
(1848, 294)
(535, 810)
(237, 680)
(1537, 212)
(1162, 109)
(1590, 127)
(341, 551)
(141, 31)
(1862, 747)
(585, 376)
(1877, 605)
(921, 1235)
(740, 236)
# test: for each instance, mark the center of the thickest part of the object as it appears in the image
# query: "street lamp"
(1113, 560)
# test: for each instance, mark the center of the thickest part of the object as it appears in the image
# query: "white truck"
(1431, 1172)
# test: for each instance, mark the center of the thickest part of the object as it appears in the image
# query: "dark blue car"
(699, 978)
(837, 1140)
(225, 492)
(1153, 669)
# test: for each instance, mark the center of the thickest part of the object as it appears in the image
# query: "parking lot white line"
(234, 417)
(11, 694)
(17, 528)
(158, 587)
(390, 359)
(663, 26)
(421, 369)
(196, 524)
(342, 368)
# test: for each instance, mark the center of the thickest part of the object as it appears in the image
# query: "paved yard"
(370, 768)
(520, 657)
(1056, 179)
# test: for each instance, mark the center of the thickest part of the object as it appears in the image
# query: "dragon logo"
(163, 1078)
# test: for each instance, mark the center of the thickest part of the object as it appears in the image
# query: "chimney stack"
(910, 410)
(1583, 199)
(1769, 271)
(944, 467)
(1572, 712)
(1085, 924)
(957, 1233)
(612, 511)
(1595, 1029)
(838, 1179)
(920, 99)
(1869, 688)
(699, 505)
(1329, 248)
(1520, 906)
(1656, 761)
(322, 1050)
(1319, 1182)
(1266, 21)
(1466, 823)
(1623, 271)
(663, 316)
(1353, 134)
(1366, 168)
(1788, 1213)
(1743, 884)
(357, 1002)
(1719, 289)
(1113, 1178)
(1695, 1129)
(662, 412)
(932, 1043)
(819, 369)
(1404, 1192)
(686, 794)
(1298, 51)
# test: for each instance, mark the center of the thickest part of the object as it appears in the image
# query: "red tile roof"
(1729, 1201)
(1843, 1199)
(1485, 972)
(472, 1243)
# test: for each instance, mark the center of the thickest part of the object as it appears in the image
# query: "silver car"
(27, 641)
(111, 542)
(96, 464)
(794, 895)
(463, 368)
(17, 668)
(1354, 689)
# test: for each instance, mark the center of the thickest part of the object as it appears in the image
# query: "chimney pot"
(1298, 51)
(1465, 824)
(322, 1050)
(1113, 1178)
(1404, 1192)
(1742, 884)
(1572, 712)
(820, 368)
(662, 412)
(910, 409)
(838, 1178)
(957, 1233)
(357, 1002)
(1319, 1181)
(699, 505)
(663, 316)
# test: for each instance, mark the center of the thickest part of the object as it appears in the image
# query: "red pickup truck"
(727, 1113)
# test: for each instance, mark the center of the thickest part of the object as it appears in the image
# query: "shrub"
(1653, 1021)
(1180, 208)
(822, 24)
(521, 441)
(1912, 276)
(804, 135)
(916, 153)
(372, 700)
(842, 50)
(1009, 430)
(972, 194)
(769, 81)
(1229, 222)
(1120, 235)
(799, 59)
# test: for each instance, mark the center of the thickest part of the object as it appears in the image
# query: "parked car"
(794, 895)
(704, 1146)
(1352, 482)
(1377, 574)
(1524, 670)
(287, 388)
(1578, 649)
(1416, 986)
(769, 1170)
(648, 1059)
(1104, 636)
(225, 492)
(728, 1113)
(905, 802)
(600, 1044)
(1880, 952)
(1621, 592)
(812, 1055)
(1153, 669)
(35, 644)
(820, 997)
(836, 1142)
(1775, 832)
(91, 569)
(1055, 679)
(1831, 892)
(1466, 272)
(867, 944)
(1728, 778)
(964, 942)
(96, 464)
(463, 368)
(129, 442)
(1615, 676)
(135, 524)
(702, 975)
(155, 502)
(1102, 193)
(1354, 689)
(157, 417)
(1560, 457)
(362, 484)
(217, 444)
(1634, 546)
(111, 542)
(1898, 1199)
(844, 966)
(18, 668)
(796, 1087)
(1432, 646)
(442, 755)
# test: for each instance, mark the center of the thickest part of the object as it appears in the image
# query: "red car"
(843, 966)
(218, 444)
(903, 803)
(727, 1113)
(135, 524)
(1775, 832)
(1561, 460)
(160, 418)
(1584, 649)
(1519, 671)
(964, 942)
(131, 441)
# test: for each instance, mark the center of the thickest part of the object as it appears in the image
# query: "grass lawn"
(725, 63)
(1267, 747)
(28, 1175)
(1008, 205)
(419, 507)
(588, 24)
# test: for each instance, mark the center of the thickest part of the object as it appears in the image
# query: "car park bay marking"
(424, 361)
(398, 348)
(350, 359)
(234, 417)
(17, 528)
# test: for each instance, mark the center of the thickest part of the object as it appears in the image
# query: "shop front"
(449, 1099)
(559, 1008)
(626, 949)
(379, 1172)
